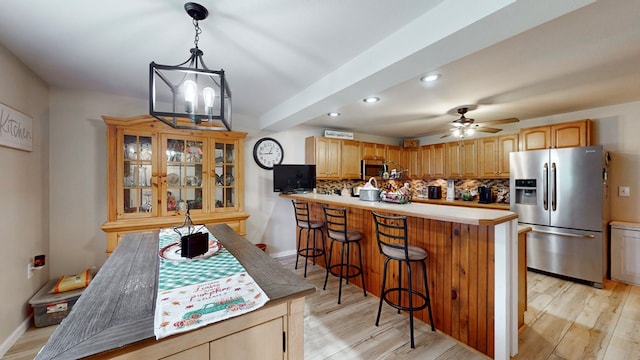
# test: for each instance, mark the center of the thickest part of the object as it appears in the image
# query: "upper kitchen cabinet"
(462, 159)
(350, 164)
(569, 134)
(393, 154)
(411, 160)
(326, 154)
(493, 155)
(155, 173)
(433, 161)
(372, 151)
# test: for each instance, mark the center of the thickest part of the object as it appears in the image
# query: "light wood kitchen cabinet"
(462, 159)
(372, 151)
(325, 153)
(493, 155)
(393, 153)
(412, 162)
(569, 134)
(155, 172)
(433, 161)
(350, 162)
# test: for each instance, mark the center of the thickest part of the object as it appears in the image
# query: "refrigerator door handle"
(545, 186)
(589, 236)
(553, 187)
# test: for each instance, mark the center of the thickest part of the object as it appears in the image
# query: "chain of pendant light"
(198, 32)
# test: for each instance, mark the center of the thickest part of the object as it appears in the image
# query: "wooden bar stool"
(304, 222)
(337, 231)
(391, 234)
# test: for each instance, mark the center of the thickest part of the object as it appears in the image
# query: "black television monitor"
(294, 178)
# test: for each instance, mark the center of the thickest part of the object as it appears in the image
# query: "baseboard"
(15, 336)
(282, 254)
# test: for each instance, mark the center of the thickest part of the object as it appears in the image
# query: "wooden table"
(472, 265)
(114, 316)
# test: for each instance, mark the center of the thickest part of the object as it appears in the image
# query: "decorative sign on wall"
(16, 129)
(338, 134)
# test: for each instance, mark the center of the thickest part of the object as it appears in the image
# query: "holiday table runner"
(196, 292)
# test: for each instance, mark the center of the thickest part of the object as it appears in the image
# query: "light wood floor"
(565, 320)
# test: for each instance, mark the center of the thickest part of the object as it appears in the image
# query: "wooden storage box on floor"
(50, 309)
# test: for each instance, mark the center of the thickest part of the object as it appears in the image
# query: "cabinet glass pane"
(225, 181)
(184, 174)
(137, 153)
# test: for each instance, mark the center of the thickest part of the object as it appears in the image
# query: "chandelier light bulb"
(190, 91)
(209, 95)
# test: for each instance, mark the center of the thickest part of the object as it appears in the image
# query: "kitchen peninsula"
(114, 317)
(472, 265)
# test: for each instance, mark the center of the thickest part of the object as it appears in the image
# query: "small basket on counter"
(401, 196)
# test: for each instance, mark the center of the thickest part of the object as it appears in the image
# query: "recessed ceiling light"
(334, 114)
(371, 99)
(430, 77)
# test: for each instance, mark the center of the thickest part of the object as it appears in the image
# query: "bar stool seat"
(338, 232)
(311, 248)
(391, 236)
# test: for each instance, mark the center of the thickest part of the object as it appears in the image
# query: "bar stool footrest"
(311, 252)
(335, 270)
(405, 292)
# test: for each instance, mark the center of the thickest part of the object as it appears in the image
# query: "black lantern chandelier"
(189, 95)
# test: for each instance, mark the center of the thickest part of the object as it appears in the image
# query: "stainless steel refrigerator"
(563, 195)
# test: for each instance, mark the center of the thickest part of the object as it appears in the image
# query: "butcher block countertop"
(117, 308)
(459, 214)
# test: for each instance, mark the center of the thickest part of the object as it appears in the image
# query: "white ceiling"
(291, 62)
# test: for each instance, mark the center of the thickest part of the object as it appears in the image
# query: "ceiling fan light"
(469, 132)
(457, 132)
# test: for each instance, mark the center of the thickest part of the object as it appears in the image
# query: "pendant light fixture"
(189, 95)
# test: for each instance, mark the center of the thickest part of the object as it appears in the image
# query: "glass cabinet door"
(225, 176)
(137, 170)
(184, 165)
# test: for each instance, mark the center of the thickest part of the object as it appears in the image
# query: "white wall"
(78, 175)
(24, 187)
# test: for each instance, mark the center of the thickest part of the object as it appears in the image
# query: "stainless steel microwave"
(372, 168)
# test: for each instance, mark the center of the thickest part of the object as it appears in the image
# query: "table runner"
(196, 292)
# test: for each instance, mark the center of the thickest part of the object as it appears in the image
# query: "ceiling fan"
(464, 126)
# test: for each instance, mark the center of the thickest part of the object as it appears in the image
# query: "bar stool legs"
(426, 299)
(311, 250)
(344, 267)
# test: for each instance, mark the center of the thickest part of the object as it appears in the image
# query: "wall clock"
(267, 152)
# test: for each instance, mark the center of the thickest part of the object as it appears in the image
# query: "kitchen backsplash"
(418, 186)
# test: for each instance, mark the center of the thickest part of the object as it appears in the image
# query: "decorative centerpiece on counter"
(400, 195)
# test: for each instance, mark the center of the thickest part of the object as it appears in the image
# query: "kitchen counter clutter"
(114, 317)
(472, 265)
(475, 203)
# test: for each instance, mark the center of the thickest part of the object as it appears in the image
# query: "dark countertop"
(117, 308)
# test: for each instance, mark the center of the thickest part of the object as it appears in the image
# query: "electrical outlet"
(624, 191)
(29, 271)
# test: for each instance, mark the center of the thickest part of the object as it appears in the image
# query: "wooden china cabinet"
(156, 172)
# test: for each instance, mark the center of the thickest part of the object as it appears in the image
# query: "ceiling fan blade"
(446, 135)
(487, 129)
(500, 121)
